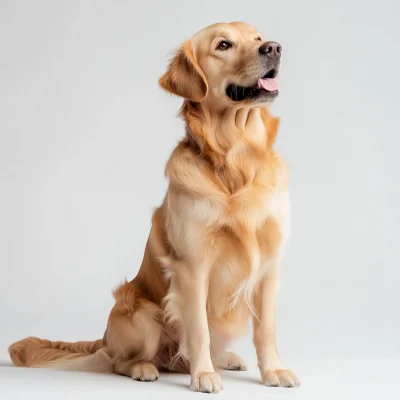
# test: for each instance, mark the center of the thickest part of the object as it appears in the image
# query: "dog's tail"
(78, 356)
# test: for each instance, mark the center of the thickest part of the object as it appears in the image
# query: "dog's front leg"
(193, 288)
(272, 371)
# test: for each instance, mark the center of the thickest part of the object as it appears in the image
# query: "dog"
(211, 262)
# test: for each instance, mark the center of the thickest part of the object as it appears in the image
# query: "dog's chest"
(245, 254)
(256, 219)
(254, 200)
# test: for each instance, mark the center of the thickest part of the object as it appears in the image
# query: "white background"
(84, 136)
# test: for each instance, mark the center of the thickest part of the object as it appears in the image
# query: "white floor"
(320, 380)
(338, 367)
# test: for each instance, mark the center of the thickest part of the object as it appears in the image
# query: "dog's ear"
(184, 77)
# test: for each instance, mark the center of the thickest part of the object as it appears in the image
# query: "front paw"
(279, 377)
(206, 382)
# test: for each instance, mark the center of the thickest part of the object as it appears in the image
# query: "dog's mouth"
(265, 89)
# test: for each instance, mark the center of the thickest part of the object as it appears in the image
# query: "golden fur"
(212, 257)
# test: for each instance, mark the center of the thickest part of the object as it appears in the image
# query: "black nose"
(271, 49)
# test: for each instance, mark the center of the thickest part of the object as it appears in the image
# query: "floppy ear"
(184, 77)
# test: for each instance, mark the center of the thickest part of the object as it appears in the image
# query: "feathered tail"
(78, 356)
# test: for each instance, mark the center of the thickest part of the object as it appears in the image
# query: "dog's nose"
(271, 49)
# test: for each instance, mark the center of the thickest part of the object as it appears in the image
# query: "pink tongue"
(269, 84)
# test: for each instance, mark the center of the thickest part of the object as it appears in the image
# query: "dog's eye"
(224, 45)
(258, 38)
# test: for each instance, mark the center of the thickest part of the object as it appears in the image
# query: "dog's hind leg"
(133, 334)
(222, 358)
(138, 370)
(230, 361)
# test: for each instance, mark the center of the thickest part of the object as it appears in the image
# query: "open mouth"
(266, 88)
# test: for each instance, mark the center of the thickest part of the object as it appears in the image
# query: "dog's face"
(226, 63)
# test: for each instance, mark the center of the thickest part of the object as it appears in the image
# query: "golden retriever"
(212, 258)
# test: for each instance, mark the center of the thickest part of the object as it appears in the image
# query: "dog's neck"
(237, 127)
(236, 142)
(227, 132)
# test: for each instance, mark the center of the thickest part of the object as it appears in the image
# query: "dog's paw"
(144, 372)
(232, 362)
(206, 382)
(279, 377)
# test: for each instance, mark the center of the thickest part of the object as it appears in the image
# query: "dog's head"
(230, 64)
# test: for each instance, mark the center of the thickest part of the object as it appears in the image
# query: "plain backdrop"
(85, 133)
